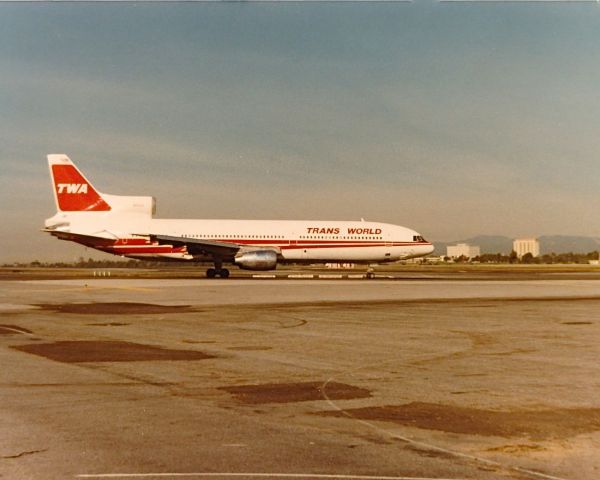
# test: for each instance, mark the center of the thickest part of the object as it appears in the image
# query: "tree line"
(528, 258)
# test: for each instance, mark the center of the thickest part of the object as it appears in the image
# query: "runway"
(339, 379)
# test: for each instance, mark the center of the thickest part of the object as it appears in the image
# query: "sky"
(455, 119)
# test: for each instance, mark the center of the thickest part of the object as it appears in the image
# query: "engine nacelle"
(257, 260)
(129, 205)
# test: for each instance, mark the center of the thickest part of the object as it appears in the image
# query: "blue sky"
(453, 119)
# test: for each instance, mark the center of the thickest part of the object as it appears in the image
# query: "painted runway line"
(258, 475)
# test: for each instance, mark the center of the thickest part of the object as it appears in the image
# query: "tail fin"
(72, 191)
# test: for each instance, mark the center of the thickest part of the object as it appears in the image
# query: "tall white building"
(462, 249)
(526, 245)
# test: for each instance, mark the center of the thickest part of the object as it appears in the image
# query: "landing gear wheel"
(370, 275)
(217, 272)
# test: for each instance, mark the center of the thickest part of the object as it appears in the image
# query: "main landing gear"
(217, 272)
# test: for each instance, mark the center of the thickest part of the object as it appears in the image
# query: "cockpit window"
(418, 238)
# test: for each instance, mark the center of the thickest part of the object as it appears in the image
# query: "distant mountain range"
(548, 244)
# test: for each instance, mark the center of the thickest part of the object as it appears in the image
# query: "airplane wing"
(196, 246)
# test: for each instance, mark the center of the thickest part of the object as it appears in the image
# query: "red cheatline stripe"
(154, 245)
(141, 241)
(313, 247)
(358, 245)
(149, 249)
(146, 249)
(241, 241)
(128, 246)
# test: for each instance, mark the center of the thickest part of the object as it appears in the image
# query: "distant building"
(462, 250)
(526, 245)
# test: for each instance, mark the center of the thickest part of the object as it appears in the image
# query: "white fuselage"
(295, 240)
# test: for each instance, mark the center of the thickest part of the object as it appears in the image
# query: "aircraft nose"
(424, 247)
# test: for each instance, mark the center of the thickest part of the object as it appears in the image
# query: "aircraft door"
(388, 250)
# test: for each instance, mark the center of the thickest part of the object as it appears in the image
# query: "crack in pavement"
(22, 454)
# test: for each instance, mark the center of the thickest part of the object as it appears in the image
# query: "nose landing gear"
(370, 272)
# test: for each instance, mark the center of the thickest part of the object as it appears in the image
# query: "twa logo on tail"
(72, 188)
(72, 191)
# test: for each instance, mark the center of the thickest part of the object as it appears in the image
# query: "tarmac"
(304, 378)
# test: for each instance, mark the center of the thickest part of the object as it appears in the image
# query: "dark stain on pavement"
(535, 424)
(295, 392)
(114, 308)
(107, 351)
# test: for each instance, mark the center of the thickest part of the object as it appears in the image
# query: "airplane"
(125, 226)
